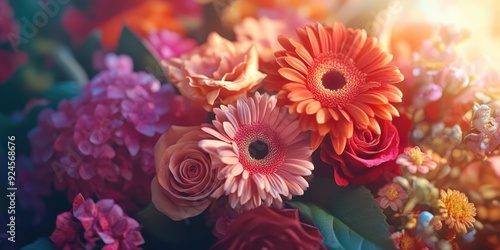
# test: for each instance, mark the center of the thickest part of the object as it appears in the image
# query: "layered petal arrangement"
(217, 72)
(336, 79)
(185, 179)
(260, 152)
(273, 124)
(100, 223)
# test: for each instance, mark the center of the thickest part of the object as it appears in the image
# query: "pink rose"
(265, 228)
(367, 155)
(185, 181)
(217, 72)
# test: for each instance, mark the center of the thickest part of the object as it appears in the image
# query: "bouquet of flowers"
(165, 124)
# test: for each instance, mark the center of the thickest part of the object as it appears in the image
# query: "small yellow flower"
(456, 211)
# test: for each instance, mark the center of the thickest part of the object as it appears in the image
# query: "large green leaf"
(337, 234)
(350, 210)
(140, 52)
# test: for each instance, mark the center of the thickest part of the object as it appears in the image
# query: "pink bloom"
(259, 151)
(102, 141)
(217, 72)
(265, 228)
(391, 195)
(102, 221)
(168, 44)
(416, 161)
(66, 234)
(264, 31)
(106, 221)
(185, 181)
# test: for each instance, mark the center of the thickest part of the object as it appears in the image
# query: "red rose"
(367, 155)
(265, 228)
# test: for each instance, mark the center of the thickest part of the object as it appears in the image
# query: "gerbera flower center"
(260, 149)
(391, 193)
(334, 80)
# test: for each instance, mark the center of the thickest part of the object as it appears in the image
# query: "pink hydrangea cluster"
(102, 142)
(9, 42)
(169, 44)
(102, 222)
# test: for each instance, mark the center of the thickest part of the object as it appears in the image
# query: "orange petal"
(301, 107)
(338, 143)
(316, 140)
(372, 98)
(382, 112)
(322, 116)
(301, 95)
(296, 64)
(358, 115)
(374, 126)
(293, 86)
(292, 75)
(304, 55)
(313, 41)
(334, 114)
(345, 115)
(313, 107)
(324, 129)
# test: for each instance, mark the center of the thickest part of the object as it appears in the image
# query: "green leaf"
(352, 208)
(64, 90)
(86, 51)
(337, 234)
(140, 52)
(155, 223)
(40, 244)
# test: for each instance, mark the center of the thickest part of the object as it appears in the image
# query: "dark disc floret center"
(258, 149)
(333, 80)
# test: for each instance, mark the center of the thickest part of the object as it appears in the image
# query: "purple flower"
(102, 142)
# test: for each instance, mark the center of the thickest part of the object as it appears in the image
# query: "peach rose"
(217, 72)
(185, 181)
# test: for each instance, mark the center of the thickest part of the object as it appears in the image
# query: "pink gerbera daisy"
(259, 151)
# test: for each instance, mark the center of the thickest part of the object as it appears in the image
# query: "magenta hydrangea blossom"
(103, 221)
(102, 142)
(169, 44)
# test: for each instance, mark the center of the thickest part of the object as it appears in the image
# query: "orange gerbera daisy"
(336, 78)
